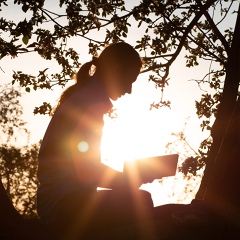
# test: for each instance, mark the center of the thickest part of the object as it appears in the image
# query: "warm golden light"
(139, 132)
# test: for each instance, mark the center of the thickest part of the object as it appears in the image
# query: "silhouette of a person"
(70, 167)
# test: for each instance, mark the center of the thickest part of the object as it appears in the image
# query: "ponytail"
(82, 77)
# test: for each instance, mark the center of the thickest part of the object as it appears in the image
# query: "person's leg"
(118, 208)
(73, 214)
(83, 213)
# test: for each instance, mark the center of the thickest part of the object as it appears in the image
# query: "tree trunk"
(13, 226)
(7, 209)
(9, 217)
(223, 192)
(225, 111)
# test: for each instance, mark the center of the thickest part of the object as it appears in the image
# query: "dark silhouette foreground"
(191, 221)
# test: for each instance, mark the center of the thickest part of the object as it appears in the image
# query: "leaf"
(124, 34)
(25, 39)
(27, 89)
(61, 3)
(25, 8)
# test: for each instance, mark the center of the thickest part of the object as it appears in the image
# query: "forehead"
(130, 73)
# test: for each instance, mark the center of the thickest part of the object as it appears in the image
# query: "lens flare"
(83, 146)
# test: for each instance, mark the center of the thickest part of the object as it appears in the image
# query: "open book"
(148, 169)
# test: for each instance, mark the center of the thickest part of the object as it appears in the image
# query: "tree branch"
(183, 39)
(80, 35)
(214, 27)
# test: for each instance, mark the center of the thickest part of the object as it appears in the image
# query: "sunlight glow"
(137, 133)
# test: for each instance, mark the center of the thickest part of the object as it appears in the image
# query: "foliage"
(194, 160)
(10, 113)
(18, 165)
(168, 29)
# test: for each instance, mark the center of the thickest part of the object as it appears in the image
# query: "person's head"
(117, 68)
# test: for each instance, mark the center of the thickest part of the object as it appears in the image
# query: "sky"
(137, 131)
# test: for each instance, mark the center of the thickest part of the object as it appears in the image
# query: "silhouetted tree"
(18, 164)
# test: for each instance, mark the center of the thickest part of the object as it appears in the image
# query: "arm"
(87, 162)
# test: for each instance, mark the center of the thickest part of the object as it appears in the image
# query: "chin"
(114, 98)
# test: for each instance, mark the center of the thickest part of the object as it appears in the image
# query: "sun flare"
(137, 132)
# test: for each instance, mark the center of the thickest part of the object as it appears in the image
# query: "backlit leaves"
(18, 167)
(164, 23)
(45, 108)
(10, 113)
